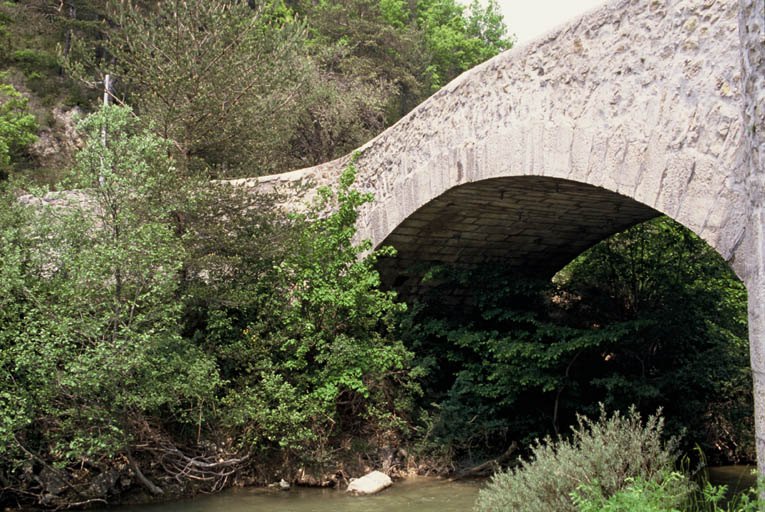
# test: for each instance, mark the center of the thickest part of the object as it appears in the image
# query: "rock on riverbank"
(370, 483)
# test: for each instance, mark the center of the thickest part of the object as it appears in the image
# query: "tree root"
(152, 488)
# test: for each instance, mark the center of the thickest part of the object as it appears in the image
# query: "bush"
(603, 457)
(639, 496)
(656, 496)
(89, 325)
(33, 61)
(318, 355)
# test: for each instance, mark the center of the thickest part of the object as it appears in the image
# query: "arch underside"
(536, 224)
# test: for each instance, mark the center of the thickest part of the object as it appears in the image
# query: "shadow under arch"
(533, 224)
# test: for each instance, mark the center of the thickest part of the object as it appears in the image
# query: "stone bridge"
(635, 109)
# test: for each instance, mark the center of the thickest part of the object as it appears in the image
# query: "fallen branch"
(81, 504)
(487, 467)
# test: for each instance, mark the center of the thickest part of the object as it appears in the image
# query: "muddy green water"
(739, 479)
(419, 494)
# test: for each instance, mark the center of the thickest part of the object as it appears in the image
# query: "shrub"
(317, 356)
(657, 496)
(607, 456)
(639, 496)
(717, 498)
(33, 61)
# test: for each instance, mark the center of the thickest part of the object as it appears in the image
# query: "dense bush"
(687, 351)
(640, 495)
(643, 495)
(317, 357)
(89, 333)
(604, 457)
(651, 316)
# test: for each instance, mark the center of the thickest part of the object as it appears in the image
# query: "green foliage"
(640, 495)
(712, 498)
(132, 325)
(33, 61)
(265, 87)
(29, 34)
(14, 406)
(643, 495)
(369, 61)
(395, 12)
(90, 332)
(651, 316)
(689, 352)
(377, 59)
(602, 458)
(17, 126)
(226, 97)
(503, 348)
(343, 111)
(318, 359)
(458, 38)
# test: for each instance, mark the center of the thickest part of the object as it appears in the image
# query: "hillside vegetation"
(240, 88)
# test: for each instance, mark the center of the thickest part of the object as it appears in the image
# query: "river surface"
(739, 479)
(416, 494)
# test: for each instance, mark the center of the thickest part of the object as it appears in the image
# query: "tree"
(90, 331)
(651, 316)
(17, 126)
(458, 38)
(690, 351)
(369, 64)
(220, 79)
(318, 357)
(378, 59)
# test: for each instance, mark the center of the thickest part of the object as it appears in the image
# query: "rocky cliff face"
(58, 142)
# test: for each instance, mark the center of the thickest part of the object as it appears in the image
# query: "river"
(738, 479)
(418, 494)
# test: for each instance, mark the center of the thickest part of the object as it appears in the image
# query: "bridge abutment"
(752, 35)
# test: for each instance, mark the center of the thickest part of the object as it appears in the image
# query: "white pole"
(107, 86)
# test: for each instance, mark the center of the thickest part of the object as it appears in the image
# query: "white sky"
(530, 18)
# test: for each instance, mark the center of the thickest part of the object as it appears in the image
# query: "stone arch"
(658, 102)
(604, 101)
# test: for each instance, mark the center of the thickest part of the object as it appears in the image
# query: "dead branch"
(81, 504)
(487, 467)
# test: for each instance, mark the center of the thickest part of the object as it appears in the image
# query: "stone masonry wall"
(752, 34)
(639, 97)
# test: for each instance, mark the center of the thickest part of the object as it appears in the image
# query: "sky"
(530, 18)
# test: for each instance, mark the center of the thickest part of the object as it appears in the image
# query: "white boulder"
(369, 484)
